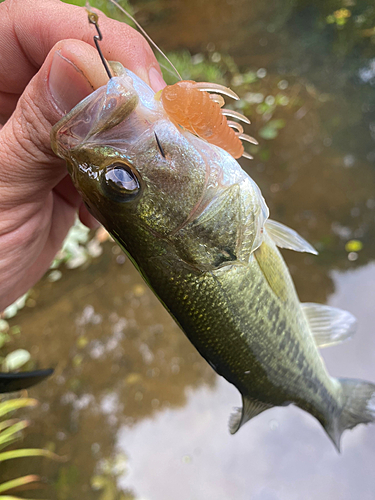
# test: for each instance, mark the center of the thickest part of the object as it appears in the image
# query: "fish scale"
(226, 340)
(196, 227)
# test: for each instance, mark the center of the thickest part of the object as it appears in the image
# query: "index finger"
(30, 29)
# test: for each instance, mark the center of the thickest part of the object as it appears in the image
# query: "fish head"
(146, 179)
(129, 162)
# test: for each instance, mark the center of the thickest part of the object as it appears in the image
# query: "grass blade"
(15, 404)
(10, 440)
(28, 452)
(12, 432)
(7, 423)
(9, 497)
(16, 483)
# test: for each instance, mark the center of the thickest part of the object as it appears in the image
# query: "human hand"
(41, 79)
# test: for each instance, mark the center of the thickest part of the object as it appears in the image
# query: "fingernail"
(67, 84)
(156, 80)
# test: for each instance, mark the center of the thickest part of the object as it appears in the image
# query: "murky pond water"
(135, 410)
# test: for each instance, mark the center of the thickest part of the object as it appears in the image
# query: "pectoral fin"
(284, 237)
(223, 237)
(329, 325)
(250, 408)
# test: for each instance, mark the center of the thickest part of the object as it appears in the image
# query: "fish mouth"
(98, 113)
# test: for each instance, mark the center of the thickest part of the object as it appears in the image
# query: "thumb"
(29, 168)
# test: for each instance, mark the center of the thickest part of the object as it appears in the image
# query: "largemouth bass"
(196, 226)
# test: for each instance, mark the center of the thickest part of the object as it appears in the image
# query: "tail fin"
(358, 407)
(11, 382)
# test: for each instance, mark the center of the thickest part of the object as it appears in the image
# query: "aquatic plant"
(79, 248)
(11, 431)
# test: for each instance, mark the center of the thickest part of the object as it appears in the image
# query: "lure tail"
(358, 408)
(11, 382)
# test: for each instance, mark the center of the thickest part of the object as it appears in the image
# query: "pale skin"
(48, 64)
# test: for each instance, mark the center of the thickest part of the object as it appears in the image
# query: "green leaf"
(9, 497)
(16, 483)
(4, 325)
(12, 310)
(8, 423)
(30, 452)
(4, 338)
(264, 154)
(16, 360)
(15, 404)
(250, 77)
(15, 330)
(278, 123)
(12, 433)
(9, 440)
(268, 132)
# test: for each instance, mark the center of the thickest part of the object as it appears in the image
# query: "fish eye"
(120, 183)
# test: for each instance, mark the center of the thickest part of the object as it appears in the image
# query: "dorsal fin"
(329, 325)
(284, 237)
(250, 408)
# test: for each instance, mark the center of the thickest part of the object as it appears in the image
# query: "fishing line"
(147, 36)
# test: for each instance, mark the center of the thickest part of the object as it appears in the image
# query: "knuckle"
(31, 129)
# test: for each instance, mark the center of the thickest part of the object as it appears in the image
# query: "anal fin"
(329, 325)
(285, 237)
(250, 408)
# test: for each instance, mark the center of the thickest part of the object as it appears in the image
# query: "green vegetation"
(10, 432)
(106, 7)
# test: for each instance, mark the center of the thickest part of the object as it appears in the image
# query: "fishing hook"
(94, 19)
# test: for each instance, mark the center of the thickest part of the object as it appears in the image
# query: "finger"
(8, 103)
(27, 39)
(26, 252)
(86, 218)
(69, 74)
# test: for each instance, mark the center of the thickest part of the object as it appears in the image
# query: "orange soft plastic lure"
(190, 105)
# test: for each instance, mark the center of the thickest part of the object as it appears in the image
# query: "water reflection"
(122, 359)
(317, 174)
(282, 454)
(132, 405)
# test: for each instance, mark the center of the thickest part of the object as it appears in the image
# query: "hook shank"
(93, 19)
